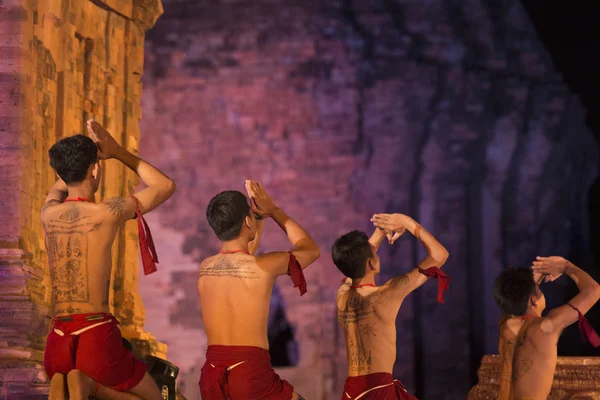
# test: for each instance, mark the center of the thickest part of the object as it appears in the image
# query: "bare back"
(79, 238)
(235, 297)
(532, 347)
(368, 317)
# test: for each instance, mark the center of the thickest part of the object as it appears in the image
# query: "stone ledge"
(575, 377)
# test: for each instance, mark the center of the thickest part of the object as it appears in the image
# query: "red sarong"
(241, 373)
(378, 386)
(98, 351)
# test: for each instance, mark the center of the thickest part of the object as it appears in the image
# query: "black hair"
(350, 253)
(226, 213)
(512, 290)
(72, 156)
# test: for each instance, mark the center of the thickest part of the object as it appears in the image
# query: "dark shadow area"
(570, 34)
(282, 345)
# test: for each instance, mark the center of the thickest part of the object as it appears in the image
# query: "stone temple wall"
(62, 62)
(448, 110)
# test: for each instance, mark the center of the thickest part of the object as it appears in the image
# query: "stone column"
(62, 62)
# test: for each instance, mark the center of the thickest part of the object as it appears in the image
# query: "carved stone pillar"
(62, 62)
(575, 378)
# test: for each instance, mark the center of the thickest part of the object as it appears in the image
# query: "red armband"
(297, 275)
(147, 249)
(586, 329)
(442, 278)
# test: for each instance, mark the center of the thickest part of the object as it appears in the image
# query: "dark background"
(479, 118)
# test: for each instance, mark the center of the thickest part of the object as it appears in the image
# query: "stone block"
(575, 377)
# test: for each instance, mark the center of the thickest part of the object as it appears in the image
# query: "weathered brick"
(44, 97)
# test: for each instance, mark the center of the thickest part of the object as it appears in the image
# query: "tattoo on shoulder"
(399, 281)
(117, 206)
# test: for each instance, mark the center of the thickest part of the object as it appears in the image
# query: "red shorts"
(241, 373)
(97, 351)
(378, 386)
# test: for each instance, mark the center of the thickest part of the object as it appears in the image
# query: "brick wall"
(60, 64)
(449, 111)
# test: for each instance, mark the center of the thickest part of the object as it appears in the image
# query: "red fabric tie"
(586, 329)
(79, 199)
(443, 281)
(359, 286)
(147, 249)
(295, 272)
(525, 318)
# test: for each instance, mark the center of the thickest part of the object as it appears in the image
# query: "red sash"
(147, 249)
(443, 281)
(586, 329)
(295, 272)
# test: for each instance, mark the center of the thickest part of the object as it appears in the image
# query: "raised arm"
(57, 194)
(305, 249)
(589, 291)
(159, 186)
(436, 253)
(377, 238)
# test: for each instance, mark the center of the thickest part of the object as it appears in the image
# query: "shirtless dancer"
(84, 343)
(235, 290)
(367, 312)
(527, 338)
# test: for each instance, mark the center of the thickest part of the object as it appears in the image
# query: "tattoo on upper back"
(227, 266)
(117, 206)
(67, 248)
(360, 307)
(72, 214)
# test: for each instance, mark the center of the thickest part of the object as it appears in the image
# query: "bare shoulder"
(535, 333)
(341, 293)
(49, 205)
(396, 282)
(507, 334)
(393, 286)
(206, 262)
